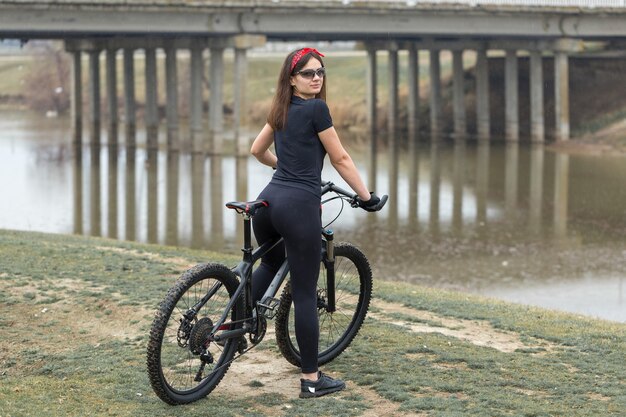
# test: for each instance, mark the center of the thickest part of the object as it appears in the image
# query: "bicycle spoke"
(179, 349)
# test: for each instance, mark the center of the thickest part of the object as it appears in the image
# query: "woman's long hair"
(277, 117)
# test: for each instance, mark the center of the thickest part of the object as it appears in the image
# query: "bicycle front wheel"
(353, 291)
(184, 365)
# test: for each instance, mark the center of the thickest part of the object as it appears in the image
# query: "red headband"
(302, 52)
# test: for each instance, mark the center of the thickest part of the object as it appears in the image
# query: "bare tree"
(46, 86)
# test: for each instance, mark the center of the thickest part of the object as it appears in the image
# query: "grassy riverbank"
(75, 313)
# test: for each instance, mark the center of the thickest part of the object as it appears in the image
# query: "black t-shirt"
(298, 148)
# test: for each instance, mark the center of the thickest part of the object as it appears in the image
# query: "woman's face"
(308, 87)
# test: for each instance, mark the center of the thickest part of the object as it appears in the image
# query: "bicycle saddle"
(248, 207)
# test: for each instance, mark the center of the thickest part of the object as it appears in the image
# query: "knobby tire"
(353, 289)
(172, 368)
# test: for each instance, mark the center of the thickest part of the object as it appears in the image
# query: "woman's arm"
(261, 147)
(341, 160)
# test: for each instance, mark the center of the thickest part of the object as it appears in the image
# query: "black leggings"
(293, 214)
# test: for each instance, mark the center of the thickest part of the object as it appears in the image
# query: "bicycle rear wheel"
(183, 364)
(353, 291)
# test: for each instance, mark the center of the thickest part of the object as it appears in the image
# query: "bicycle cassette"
(199, 335)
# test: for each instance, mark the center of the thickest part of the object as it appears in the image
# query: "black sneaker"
(324, 385)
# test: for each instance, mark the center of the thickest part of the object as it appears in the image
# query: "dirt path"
(270, 374)
(479, 333)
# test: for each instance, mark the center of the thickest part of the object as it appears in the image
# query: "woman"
(301, 129)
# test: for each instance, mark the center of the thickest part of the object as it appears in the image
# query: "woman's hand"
(369, 204)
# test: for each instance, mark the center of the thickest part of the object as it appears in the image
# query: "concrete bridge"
(551, 29)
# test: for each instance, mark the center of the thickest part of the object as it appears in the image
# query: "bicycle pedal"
(268, 307)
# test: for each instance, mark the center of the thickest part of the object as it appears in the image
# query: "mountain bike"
(201, 326)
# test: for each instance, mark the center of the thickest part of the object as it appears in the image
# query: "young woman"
(301, 129)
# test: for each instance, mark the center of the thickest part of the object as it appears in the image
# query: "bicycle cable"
(343, 199)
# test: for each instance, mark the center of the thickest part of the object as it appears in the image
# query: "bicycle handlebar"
(328, 186)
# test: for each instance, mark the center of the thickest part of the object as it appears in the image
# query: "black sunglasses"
(310, 73)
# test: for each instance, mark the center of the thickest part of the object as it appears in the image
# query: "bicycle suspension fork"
(329, 262)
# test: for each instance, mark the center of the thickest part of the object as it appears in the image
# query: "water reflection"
(561, 186)
(508, 220)
(77, 191)
(511, 178)
(152, 195)
(112, 192)
(482, 182)
(171, 201)
(130, 194)
(460, 190)
(217, 204)
(95, 213)
(458, 183)
(413, 174)
(435, 183)
(197, 215)
(536, 188)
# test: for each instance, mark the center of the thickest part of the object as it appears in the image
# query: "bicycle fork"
(329, 263)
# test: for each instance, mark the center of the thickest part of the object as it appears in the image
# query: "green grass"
(75, 313)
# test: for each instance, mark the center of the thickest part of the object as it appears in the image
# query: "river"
(514, 222)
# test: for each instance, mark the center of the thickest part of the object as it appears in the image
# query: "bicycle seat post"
(247, 210)
(247, 238)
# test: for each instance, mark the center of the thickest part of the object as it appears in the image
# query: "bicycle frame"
(244, 271)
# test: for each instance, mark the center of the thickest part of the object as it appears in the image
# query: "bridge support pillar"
(511, 96)
(537, 128)
(171, 106)
(482, 95)
(414, 95)
(435, 94)
(561, 95)
(458, 85)
(372, 95)
(129, 97)
(392, 122)
(240, 108)
(216, 103)
(77, 96)
(151, 112)
(94, 95)
(195, 97)
(371, 103)
(111, 86)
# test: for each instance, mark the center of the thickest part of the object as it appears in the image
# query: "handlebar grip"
(383, 201)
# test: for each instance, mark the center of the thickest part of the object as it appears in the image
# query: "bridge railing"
(580, 4)
(584, 4)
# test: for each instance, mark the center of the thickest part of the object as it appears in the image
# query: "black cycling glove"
(369, 205)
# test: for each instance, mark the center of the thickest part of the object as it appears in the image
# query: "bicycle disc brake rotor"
(199, 335)
(322, 304)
